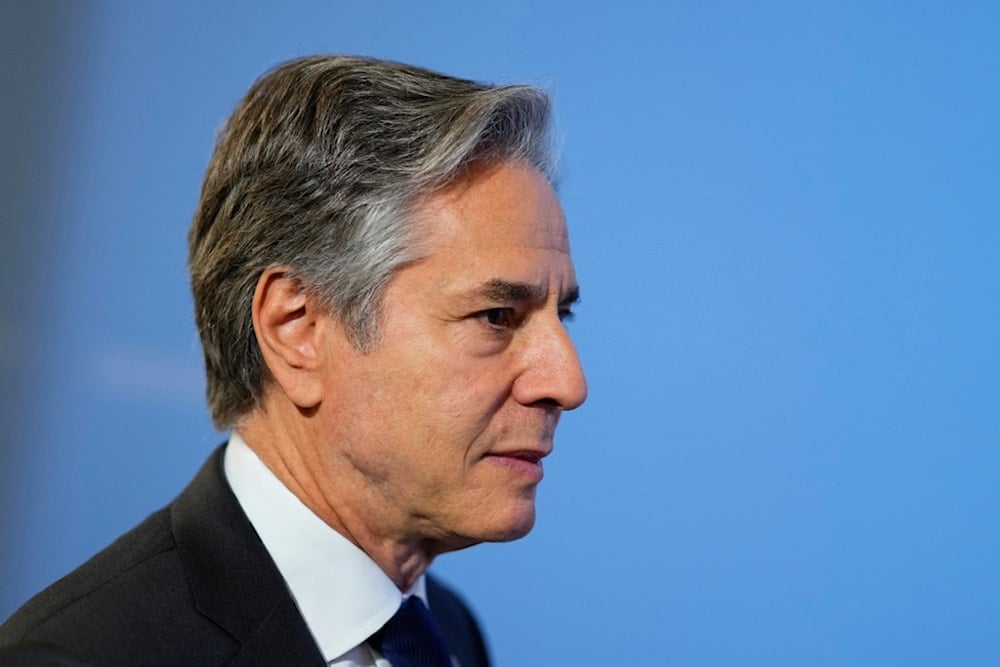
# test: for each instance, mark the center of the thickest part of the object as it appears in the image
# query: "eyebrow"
(507, 291)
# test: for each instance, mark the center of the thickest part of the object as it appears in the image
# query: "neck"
(336, 493)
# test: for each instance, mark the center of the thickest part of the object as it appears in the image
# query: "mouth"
(523, 462)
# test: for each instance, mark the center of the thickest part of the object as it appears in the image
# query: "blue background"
(785, 222)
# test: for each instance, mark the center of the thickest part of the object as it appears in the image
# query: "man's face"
(447, 420)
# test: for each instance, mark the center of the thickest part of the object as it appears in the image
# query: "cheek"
(448, 418)
(470, 389)
(431, 392)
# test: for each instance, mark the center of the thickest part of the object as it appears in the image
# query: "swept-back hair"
(319, 169)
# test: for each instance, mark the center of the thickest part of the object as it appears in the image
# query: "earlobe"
(285, 321)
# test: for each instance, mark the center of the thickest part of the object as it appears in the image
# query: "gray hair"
(319, 169)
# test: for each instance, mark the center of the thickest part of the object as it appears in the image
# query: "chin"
(488, 522)
(513, 526)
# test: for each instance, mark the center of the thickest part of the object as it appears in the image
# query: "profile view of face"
(449, 417)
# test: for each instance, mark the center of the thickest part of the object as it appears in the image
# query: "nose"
(552, 372)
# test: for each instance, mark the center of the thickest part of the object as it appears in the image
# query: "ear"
(288, 326)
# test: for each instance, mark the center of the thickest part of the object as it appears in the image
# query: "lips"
(523, 462)
(534, 457)
(531, 455)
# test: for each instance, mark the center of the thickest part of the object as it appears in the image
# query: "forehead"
(492, 207)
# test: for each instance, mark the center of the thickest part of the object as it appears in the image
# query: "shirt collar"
(342, 594)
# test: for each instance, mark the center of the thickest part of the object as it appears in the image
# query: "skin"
(432, 441)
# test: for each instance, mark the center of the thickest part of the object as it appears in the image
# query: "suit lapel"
(273, 643)
(234, 581)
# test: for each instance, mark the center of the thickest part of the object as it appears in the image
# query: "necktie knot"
(411, 638)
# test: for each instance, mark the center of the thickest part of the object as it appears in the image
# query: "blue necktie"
(411, 638)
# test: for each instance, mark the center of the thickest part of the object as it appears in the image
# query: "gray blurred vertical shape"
(41, 51)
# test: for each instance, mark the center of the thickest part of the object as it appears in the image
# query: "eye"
(566, 315)
(498, 317)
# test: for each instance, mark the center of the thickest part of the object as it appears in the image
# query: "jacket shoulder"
(98, 577)
(128, 604)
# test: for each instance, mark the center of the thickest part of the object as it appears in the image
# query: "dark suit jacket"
(191, 585)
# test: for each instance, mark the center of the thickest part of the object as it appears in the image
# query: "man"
(380, 271)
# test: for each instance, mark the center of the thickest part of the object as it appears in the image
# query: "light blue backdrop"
(785, 222)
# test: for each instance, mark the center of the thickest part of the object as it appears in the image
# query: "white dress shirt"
(342, 594)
